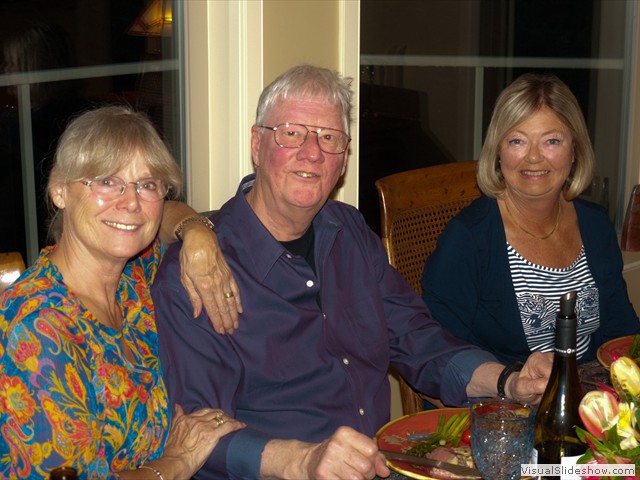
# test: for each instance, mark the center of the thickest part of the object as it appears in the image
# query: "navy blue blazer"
(467, 281)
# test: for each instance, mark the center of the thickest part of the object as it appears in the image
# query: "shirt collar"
(260, 245)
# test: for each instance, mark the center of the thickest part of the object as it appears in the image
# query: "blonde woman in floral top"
(80, 380)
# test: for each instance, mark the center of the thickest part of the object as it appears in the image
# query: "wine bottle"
(63, 473)
(555, 435)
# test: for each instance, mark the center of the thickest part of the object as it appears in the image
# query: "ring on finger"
(228, 295)
(219, 420)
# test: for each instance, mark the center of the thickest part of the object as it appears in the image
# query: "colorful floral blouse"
(67, 393)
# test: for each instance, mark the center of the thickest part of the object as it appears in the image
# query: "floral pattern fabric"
(68, 395)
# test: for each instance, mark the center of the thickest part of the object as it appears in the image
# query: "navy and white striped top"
(538, 290)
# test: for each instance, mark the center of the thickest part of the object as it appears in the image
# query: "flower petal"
(598, 411)
(625, 377)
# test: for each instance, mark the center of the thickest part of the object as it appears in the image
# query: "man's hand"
(528, 385)
(346, 454)
(207, 278)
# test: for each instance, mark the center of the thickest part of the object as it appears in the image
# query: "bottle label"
(565, 352)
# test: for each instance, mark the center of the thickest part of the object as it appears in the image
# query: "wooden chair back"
(11, 266)
(415, 206)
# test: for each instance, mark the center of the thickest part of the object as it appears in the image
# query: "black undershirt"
(303, 247)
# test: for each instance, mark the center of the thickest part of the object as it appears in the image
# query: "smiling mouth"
(121, 226)
(537, 173)
(306, 174)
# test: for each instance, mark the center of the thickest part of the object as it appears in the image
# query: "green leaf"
(634, 349)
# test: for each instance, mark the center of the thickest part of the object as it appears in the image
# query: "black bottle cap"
(568, 304)
(566, 324)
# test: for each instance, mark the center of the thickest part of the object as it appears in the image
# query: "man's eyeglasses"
(293, 135)
(109, 188)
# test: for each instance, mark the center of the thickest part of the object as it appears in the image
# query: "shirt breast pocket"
(363, 332)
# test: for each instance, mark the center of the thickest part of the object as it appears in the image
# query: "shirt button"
(309, 283)
(324, 315)
(289, 256)
(345, 361)
(361, 412)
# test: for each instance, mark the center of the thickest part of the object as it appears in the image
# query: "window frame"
(214, 103)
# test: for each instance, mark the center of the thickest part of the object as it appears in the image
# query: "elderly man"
(324, 313)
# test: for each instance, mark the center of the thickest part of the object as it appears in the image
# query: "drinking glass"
(501, 437)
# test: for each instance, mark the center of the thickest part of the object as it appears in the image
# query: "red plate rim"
(410, 423)
(618, 345)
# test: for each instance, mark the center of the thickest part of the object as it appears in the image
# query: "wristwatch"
(502, 379)
(196, 218)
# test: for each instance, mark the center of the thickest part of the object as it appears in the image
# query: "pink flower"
(611, 417)
(598, 411)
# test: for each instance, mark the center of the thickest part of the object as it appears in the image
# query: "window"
(60, 57)
(431, 71)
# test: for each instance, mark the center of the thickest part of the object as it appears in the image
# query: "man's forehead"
(301, 99)
(296, 109)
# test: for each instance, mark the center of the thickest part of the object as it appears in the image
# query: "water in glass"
(501, 438)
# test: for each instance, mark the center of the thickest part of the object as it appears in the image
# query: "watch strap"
(196, 218)
(504, 375)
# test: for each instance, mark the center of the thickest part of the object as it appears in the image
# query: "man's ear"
(256, 137)
(345, 161)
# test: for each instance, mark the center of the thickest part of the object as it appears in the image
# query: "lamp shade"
(155, 20)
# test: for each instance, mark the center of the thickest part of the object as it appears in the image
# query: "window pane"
(432, 69)
(59, 58)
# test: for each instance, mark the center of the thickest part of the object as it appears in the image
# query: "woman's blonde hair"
(101, 142)
(524, 97)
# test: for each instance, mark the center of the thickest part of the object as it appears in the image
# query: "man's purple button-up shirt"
(294, 369)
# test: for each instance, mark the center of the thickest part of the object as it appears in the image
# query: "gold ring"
(228, 295)
(219, 420)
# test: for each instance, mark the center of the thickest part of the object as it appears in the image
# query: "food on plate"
(457, 455)
(448, 443)
(437, 434)
(448, 433)
(465, 438)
